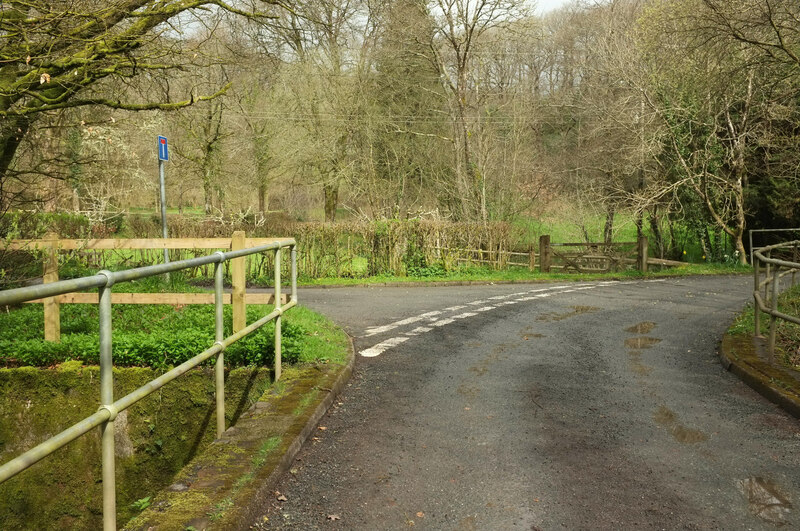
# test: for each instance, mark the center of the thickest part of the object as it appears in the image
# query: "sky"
(543, 6)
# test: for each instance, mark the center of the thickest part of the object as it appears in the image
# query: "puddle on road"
(468, 524)
(482, 367)
(469, 391)
(667, 419)
(636, 363)
(765, 500)
(644, 327)
(479, 370)
(576, 310)
(638, 343)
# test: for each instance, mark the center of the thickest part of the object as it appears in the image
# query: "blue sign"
(163, 154)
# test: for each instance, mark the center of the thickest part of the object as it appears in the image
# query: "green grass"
(524, 275)
(164, 335)
(563, 230)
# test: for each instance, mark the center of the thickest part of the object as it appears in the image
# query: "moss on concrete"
(746, 356)
(236, 469)
(155, 438)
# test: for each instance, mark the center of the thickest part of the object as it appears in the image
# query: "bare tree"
(61, 54)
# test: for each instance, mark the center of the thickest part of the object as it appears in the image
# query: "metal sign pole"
(163, 156)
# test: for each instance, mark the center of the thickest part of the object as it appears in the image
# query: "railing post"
(219, 335)
(238, 271)
(278, 318)
(544, 253)
(766, 277)
(756, 289)
(294, 272)
(642, 254)
(106, 399)
(52, 312)
(773, 321)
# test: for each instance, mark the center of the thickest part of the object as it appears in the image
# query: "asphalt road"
(597, 405)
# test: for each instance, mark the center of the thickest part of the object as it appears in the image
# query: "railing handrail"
(61, 287)
(109, 408)
(770, 284)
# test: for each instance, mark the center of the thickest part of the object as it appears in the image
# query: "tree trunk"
(208, 196)
(655, 228)
(330, 193)
(608, 228)
(263, 198)
(12, 131)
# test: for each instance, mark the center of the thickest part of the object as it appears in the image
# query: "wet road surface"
(597, 405)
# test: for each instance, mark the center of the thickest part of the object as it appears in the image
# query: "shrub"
(154, 336)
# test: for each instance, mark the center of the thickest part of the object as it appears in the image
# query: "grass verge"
(524, 275)
(787, 335)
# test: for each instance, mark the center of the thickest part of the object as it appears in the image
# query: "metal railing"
(753, 248)
(110, 408)
(771, 284)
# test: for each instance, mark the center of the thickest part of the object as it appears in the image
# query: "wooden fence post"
(641, 257)
(544, 253)
(238, 279)
(52, 310)
(531, 259)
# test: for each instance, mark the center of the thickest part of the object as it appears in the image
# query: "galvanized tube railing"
(771, 285)
(109, 408)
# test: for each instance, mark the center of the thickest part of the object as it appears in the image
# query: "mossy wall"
(154, 438)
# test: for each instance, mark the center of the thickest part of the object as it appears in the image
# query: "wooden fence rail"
(51, 244)
(496, 258)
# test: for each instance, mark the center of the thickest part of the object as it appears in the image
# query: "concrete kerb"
(744, 357)
(227, 487)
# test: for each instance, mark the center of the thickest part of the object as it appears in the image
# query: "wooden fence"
(591, 257)
(585, 257)
(499, 259)
(51, 245)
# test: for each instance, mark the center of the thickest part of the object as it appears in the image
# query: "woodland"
(667, 115)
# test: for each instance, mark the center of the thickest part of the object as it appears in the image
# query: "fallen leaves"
(334, 517)
(280, 497)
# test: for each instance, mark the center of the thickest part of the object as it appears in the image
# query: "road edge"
(742, 355)
(228, 485)
(246, 515)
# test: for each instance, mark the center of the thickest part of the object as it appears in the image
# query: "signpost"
(163, 156)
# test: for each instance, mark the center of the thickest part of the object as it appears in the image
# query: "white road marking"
(435, 322)
(391, 326)
(378, 349)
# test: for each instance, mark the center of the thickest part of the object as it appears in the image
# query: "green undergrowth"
(159, 336)
(155, 336)
(787, 335)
